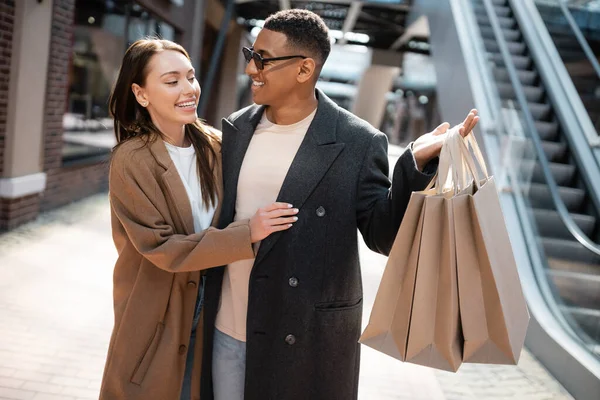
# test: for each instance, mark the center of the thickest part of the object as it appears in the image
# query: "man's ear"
(140, 95)
(307, 70)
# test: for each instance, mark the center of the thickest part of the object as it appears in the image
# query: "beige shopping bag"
(416, 313)
(434, 338)
(493, 310)
(389, 322)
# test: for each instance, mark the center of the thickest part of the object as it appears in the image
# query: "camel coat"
(157, 273)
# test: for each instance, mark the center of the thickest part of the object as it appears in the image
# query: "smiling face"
(170, 91)
(278, 80)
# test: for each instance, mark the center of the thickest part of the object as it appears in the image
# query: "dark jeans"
(186, 389)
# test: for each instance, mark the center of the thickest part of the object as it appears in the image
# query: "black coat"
(305, 293)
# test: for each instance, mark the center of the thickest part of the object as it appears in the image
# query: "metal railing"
(540, 266)
(580, 37)
(546, 45)
(566, 217)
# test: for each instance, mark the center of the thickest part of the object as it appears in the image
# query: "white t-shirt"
(265, 166)
(184, 159)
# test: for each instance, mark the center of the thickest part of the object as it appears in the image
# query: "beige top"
(266, 163)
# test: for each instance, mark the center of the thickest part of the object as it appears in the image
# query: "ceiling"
(383, 21)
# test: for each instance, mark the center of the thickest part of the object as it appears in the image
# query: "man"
(288, 322)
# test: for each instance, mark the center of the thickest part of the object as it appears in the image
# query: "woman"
(165, 188)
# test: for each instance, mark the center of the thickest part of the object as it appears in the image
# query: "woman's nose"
(189, 87)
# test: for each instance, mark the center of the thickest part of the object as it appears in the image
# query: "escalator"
(583, 73)
(572, 269)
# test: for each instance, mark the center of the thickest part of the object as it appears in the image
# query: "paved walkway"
(56, 318)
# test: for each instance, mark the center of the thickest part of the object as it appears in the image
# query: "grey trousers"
(229, 367)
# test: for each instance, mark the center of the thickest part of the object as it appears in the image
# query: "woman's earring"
(144, 104)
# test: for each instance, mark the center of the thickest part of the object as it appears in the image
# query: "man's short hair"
(304, 30)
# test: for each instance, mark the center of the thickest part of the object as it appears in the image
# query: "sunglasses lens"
(258, 60)
(247, 54)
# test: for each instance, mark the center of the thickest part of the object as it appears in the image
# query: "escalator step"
(578, 290)
(588, 319)
(550, 224)
(573, 266)
(586, 86)
(527, 78)
(505, 23)
(540, 111)
(494, 2)
(521, 62)
(511, 35)
(565, 41)
(500, 11)
(563, 173)
(554, 151)
(569, 250)
(572, 55)
(547, 130)
(515, 48)
(534, 94)
(539, 197)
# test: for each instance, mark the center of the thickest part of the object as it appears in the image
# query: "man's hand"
(428, 146)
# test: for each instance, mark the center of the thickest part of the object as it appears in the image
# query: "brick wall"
(69, 184)
(14, 212)
(7, 13)
(64, 185)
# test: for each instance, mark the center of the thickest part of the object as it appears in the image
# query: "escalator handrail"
(561, 208)
(589, 53)
(545, 52)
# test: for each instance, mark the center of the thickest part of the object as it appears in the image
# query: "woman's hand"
(428, 146)
(273, 218)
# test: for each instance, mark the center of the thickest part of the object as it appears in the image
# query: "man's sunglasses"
(250, 54)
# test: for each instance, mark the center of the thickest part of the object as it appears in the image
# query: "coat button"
(321, 211)
(182, 349)
(192, 284)
(293, 281)
(290, 339)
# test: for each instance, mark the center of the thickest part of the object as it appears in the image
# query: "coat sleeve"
(381, 204)
(132, 186)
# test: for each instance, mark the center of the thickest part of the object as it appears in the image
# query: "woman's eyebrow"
(170, 73)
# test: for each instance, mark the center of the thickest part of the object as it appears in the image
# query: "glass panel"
(580, 68)
(103, 29)
(567, 274)
(97, 50)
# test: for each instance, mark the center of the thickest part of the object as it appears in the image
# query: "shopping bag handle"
(446, 166)
(472, 143)
(458, 163)
(459, 146)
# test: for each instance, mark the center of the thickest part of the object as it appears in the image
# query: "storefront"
(55, 80)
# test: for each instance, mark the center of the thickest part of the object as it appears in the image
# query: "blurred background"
(530, 66)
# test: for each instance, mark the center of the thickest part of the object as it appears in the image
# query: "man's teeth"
(188, 104)
(255, 83)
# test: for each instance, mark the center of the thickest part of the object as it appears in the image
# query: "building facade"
(58, 62)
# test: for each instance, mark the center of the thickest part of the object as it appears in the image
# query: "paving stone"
(15, 394)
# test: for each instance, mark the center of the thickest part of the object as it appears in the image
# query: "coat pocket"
(338, 305)
(142, 366)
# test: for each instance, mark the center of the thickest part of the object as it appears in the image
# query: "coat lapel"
(315, 156)
(174, 186)
(236, 139)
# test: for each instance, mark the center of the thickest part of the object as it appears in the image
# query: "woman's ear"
(140, 95)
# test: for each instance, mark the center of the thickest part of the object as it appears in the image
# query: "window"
(103, 30)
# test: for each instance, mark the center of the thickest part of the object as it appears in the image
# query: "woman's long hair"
(132, 120)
